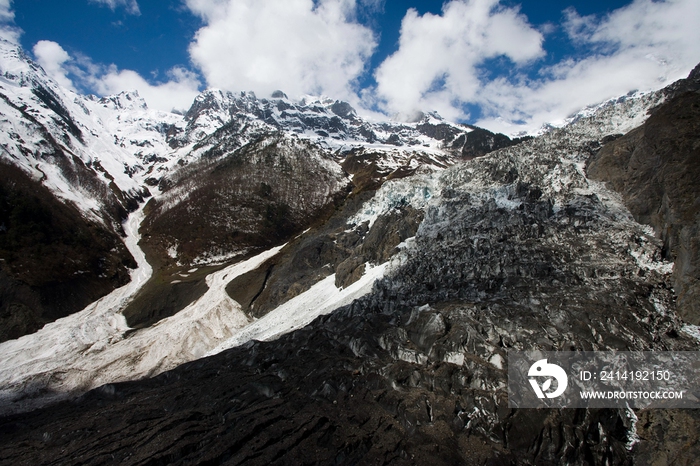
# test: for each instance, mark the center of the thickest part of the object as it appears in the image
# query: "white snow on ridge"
(117, 137)
(692, 330)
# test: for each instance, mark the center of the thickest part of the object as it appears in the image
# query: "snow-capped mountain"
(345, 291)
(120, 139)
(330, 123)
(105, 156)
(88, 151)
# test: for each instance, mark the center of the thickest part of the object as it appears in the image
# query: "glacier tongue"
(53, 359)
(95, 346)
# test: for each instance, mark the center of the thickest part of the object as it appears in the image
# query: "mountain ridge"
(108, 155)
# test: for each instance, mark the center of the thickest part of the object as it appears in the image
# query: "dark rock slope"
(53, 261)
(252, 197)
(515, 250)
(656, 168)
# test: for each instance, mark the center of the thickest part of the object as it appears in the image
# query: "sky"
(504, 65)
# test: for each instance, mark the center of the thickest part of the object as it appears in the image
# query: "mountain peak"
(125, 100)
(15, 65)
(279, 95)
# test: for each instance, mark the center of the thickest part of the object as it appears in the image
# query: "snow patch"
(632, 436)
(648, 258)
(172, 251)
(209, 258)
(692, 330)
(320, 299)
(455, 358)
(497, 361)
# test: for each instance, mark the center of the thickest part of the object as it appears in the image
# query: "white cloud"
(8, 30)
(666, 30)
(441, 59)
(372, 5)
(53, 58)
(437, 63)
(6, 13)
(177, 93)
(299, 46)
(642, 46)
(80, 72)
(131, 6)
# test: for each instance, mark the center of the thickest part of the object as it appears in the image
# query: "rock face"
(37, 234)
(257, 196)
(656, 168)
(515, 250)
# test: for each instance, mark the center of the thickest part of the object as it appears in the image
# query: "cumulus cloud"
(437, 63)
(642, 46)
(177, 92)
(442, 61)
(53, 58)
(299, 46)
(6, 13)
(8, 30)
(665, 30)
(131, 6)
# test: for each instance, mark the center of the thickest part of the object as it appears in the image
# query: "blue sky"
(509, 66)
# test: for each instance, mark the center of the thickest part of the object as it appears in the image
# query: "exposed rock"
(162, 298)
(656, 168)
(668, 436)
(343, 110)
(468, 142)
(257, 196)
(53, 262)
(371, 168)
